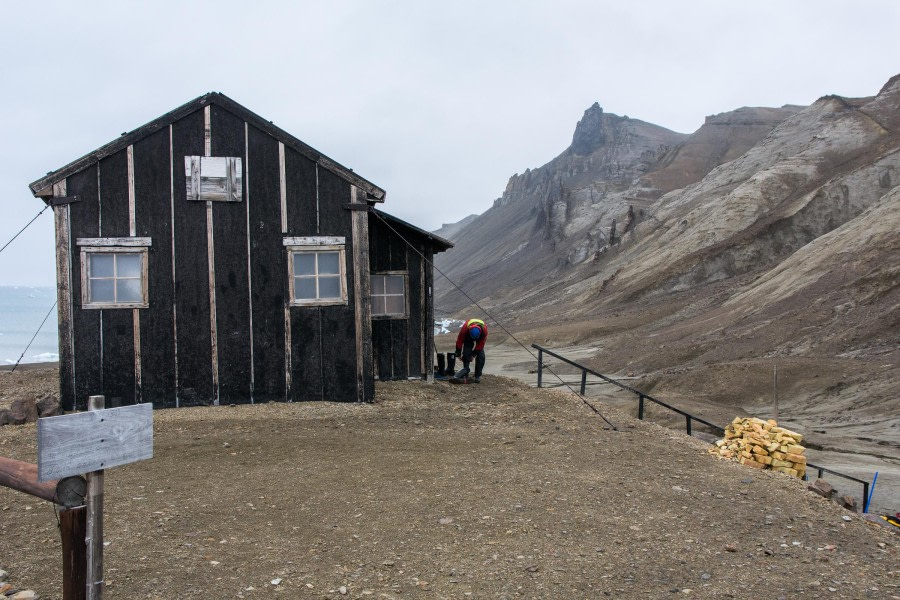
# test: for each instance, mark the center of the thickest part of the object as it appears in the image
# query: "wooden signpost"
(91, 442)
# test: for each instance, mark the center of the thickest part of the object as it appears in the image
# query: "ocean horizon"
(22, 309)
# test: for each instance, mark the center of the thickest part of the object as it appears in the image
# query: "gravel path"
(494, 490)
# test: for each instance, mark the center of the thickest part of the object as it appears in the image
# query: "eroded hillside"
(768, 236)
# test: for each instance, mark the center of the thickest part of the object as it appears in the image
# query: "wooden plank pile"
(763, 445)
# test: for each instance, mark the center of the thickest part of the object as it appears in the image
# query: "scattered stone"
(48, 406)
(445, 520)
(24, 595)
(847, 517)
(5, 587)
(822, 488)
(848, 502)
(5, 416)
(276, 581)
(3, 575)
(730, 548)
(343, 590)
(23, 411)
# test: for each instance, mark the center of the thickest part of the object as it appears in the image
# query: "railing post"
(821, 472)
(540, 365)
(641, 407)
(688, 423)
(865, 497)
(583, 381)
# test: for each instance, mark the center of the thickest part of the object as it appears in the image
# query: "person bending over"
(470, 343)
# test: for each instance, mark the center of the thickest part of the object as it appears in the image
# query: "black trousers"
(468, 353)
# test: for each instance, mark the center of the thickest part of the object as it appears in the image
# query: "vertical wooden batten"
(282, 178)
(282, 195)
(249, 262)
(211, 258)
(64, 298)
(135, 313)
(361, 293)
(428, 283)
(174, 281)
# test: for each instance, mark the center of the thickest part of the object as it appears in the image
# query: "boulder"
(48, 406)
(848, 502)
(23, 411)
(822, 488)
(5, 416)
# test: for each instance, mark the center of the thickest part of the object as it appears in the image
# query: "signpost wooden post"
(91, 442)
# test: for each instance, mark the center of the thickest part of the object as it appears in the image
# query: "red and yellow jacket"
(464, 334)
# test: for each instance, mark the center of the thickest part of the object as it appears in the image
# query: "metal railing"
(688, 417)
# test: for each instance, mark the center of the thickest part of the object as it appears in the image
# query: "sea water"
(22, 309)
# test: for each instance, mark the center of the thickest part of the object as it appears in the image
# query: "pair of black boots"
(445, 370)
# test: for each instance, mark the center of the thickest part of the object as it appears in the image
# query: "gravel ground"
(437, 491)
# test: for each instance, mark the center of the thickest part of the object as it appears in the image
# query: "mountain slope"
(745, 244)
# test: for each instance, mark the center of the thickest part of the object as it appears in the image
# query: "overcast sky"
(439, 103)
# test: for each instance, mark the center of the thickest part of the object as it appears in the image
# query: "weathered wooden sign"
(95, 440)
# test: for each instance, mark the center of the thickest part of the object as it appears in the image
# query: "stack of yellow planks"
(763, 445)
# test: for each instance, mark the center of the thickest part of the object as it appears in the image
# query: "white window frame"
(89, 246)
(405, 276)
(295, 246)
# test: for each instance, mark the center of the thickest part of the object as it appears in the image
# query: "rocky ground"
(495, 490)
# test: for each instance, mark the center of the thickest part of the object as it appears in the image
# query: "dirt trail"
(495, 490)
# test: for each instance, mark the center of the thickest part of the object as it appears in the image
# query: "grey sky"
(436, 102)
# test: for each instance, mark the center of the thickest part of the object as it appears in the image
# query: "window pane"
(394, 284)
(329, 287)
(378, 305)
(328, 263)
(304, 264)
(128, 265)
(101, 290)
(101, 265)
(305, 288)
(395, 305)
(377, 285)
(128, 290)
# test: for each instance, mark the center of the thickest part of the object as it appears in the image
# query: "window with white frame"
(114, 272)
(317, 273)
(389, 295)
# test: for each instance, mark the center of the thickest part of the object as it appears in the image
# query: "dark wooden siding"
(338, 322)
(88, 364)
(251, 293)
(232, 295)
(397, 343)
(267, 267)
(118, 324)
(323, 339)
(153, 219)
(301, 193)
(195, 383)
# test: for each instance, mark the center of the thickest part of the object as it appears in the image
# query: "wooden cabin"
(210, 257)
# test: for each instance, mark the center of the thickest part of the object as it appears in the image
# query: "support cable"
(494, 319)
(24, 228)
(33, 337)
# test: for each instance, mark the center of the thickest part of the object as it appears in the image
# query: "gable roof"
(43, 186)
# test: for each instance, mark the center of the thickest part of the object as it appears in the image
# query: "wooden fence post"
(94, 535)
(72, 527)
